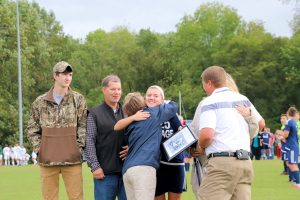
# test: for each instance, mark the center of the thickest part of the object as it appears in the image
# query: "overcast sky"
(79, 17)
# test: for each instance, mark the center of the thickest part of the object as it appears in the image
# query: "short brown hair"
(133, 102)
(292, 111)
(215, 74)
(283, 115)
(107, 79)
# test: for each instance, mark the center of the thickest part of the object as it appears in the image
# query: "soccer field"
(23, 183)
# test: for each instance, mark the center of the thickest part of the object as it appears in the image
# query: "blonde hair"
(230, 83)
(133, 102)
(159, 89)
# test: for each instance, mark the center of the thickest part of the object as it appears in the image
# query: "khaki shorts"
(140, 182)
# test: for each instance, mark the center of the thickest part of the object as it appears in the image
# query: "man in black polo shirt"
(105, 149)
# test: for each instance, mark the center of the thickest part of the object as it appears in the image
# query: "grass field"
(22, 183)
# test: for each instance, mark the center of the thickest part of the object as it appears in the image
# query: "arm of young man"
(81, 123)
(34, 130)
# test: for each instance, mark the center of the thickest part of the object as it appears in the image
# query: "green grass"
(269, 184)
(23, 183)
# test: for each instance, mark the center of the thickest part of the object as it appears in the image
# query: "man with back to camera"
(105, 148)
(224, 137)
(56, 129)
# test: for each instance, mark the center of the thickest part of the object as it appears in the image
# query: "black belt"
(221, 154)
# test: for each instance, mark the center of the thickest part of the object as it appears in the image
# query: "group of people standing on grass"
(61, 130)
(265, 145)
(286, 142)
(13, 155)
(289, 142)
(122, 143)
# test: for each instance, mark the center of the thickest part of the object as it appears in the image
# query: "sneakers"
(284, 173)
(292, 181)
(296, 186)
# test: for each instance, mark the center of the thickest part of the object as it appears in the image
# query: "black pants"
(256, 152)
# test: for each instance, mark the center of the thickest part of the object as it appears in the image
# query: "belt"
(221, 154)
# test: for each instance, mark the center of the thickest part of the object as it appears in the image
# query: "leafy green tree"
(153, 67)
(193, 47)
(291, 70)
(43, 43)
(107, 53)
(265, 67)
(253, 59)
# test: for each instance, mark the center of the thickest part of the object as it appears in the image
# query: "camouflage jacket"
(57, 132)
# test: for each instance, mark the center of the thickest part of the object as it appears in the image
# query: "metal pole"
(19, 80)
(179, 103)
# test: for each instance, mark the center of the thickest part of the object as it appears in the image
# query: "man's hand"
(200, 150)
(124, 152)
(99, 174)
(194, 152)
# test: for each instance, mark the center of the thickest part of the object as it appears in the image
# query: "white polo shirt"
(195, 124)
(219, 113)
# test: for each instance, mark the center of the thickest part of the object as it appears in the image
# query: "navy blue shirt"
(292, 139)
(144, 137)
(169, 128)
(265, 138)
(283, 144)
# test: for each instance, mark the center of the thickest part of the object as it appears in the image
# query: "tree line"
(265, 67)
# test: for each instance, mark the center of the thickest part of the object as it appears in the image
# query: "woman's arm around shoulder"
(138, 116)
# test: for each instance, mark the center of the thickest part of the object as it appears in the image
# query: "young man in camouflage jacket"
(56, 129)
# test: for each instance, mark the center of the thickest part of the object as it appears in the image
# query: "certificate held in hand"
(180, 141)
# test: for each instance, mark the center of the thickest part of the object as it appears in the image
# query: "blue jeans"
(109, 188)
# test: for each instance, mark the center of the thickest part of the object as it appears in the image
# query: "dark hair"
(283, 115)
(67, 70)
(215, 74)
(107, 79)
(133, 102)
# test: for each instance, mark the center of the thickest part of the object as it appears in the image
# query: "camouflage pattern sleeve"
(81, 122)
(34, 130)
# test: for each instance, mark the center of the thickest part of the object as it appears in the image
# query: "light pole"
(19, 80)
(179, 96)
